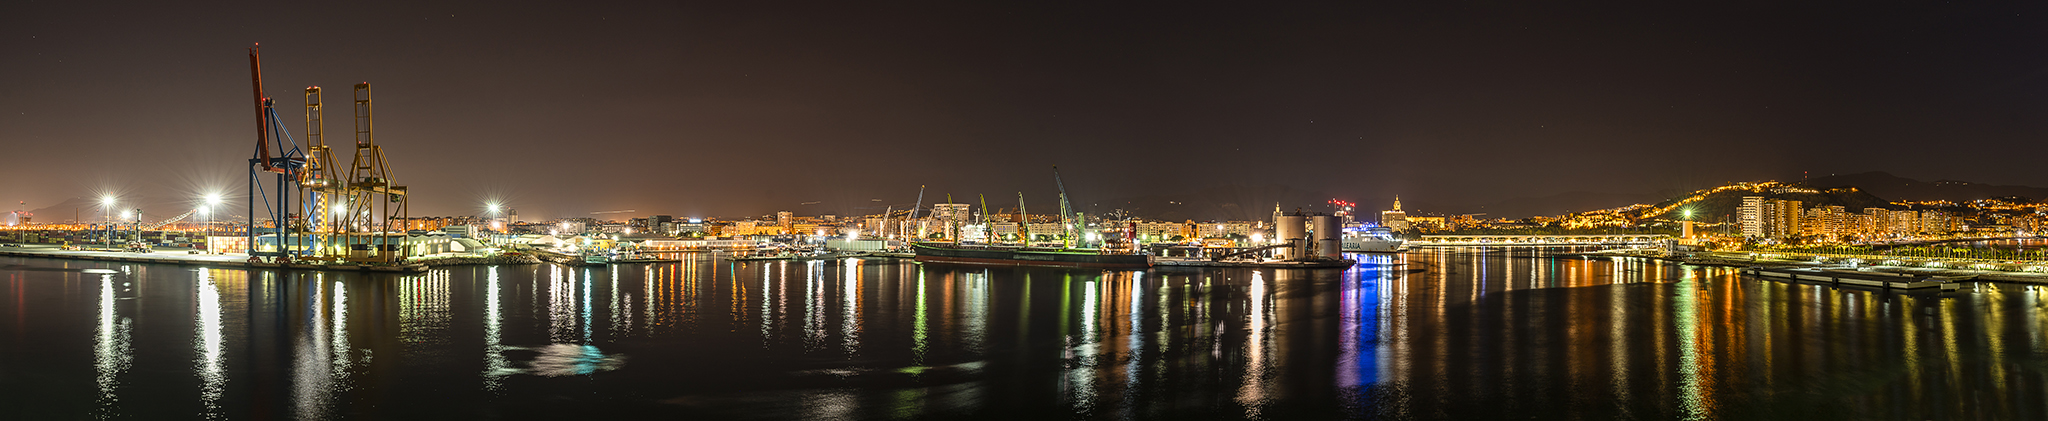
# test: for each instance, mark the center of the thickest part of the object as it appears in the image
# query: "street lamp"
(107, 205)
(496, 225)
(138, 226)
(207, 212)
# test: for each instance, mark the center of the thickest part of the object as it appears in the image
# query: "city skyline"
(749, 109)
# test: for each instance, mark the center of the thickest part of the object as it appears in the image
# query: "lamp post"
(112, 226)
(107, 206)
(138, 226)
(492, 207)
(207, 212)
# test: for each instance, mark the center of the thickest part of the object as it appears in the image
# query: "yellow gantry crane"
(322, 187)
(373, 201)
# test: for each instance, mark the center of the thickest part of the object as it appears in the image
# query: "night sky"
(740, 108)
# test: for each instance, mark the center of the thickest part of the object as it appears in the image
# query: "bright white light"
(213, 199)
(340, 209)
(204, 211)
(106, 200)
(125, 215)
(1258, 238)
(492, 206)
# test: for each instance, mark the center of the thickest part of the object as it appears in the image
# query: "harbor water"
(1440, 333)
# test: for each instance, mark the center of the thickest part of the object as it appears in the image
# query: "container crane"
(373, 200)
(285, 165)
(321, 185)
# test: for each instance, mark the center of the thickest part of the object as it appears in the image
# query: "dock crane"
(364, 203)
(319, 182)
(285, 164)
(373, 199)
(1066, 211)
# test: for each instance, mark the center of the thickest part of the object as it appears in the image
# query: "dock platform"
(212, 260)
(1851, 277)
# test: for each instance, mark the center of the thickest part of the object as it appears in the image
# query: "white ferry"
(1374, 239)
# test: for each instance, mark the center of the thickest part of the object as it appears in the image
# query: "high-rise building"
(1769, 219)
(1781, 219)
(1751, 217)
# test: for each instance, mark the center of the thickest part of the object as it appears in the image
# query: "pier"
(209, 260)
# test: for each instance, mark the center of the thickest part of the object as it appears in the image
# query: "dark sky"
(740, 108)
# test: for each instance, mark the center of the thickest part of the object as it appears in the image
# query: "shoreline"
(2028, 278)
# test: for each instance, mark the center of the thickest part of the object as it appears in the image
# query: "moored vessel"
(1023, 256)
(1374, 239)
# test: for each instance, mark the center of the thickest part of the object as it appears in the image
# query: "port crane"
(1067, 218)
(363, 204)
(321, 185)
(284, 163)
(373, 199)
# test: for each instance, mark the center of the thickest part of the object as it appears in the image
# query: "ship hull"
(1371, 245)
(996, 256)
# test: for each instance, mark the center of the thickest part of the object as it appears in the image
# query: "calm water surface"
(1442, 333)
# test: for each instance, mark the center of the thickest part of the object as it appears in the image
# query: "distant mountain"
(1559, 204)
(153, 209)
(1893, 187)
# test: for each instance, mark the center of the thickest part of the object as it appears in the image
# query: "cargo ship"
(1021, 256)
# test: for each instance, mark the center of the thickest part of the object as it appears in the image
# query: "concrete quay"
(184, 257)
(1730, 260)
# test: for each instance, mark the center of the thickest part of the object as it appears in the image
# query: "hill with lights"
(1726, 201)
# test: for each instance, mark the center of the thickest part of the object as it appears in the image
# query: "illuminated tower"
(1395, 219)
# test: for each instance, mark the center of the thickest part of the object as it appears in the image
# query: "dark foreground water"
(1466, 333)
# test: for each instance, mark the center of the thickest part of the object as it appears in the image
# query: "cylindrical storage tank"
(1329, 239)
(1290, 229)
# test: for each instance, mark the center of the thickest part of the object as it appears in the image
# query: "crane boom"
(262, 108)
(1066, 210)
(920, 203)
(1024, 221)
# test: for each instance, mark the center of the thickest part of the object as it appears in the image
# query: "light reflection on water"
(111, 347)
(1438, 333)
(207, 342)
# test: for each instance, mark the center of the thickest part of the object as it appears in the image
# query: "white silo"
(1291, 229)
(1329, 239)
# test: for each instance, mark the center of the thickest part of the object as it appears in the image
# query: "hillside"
(1725, 202)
